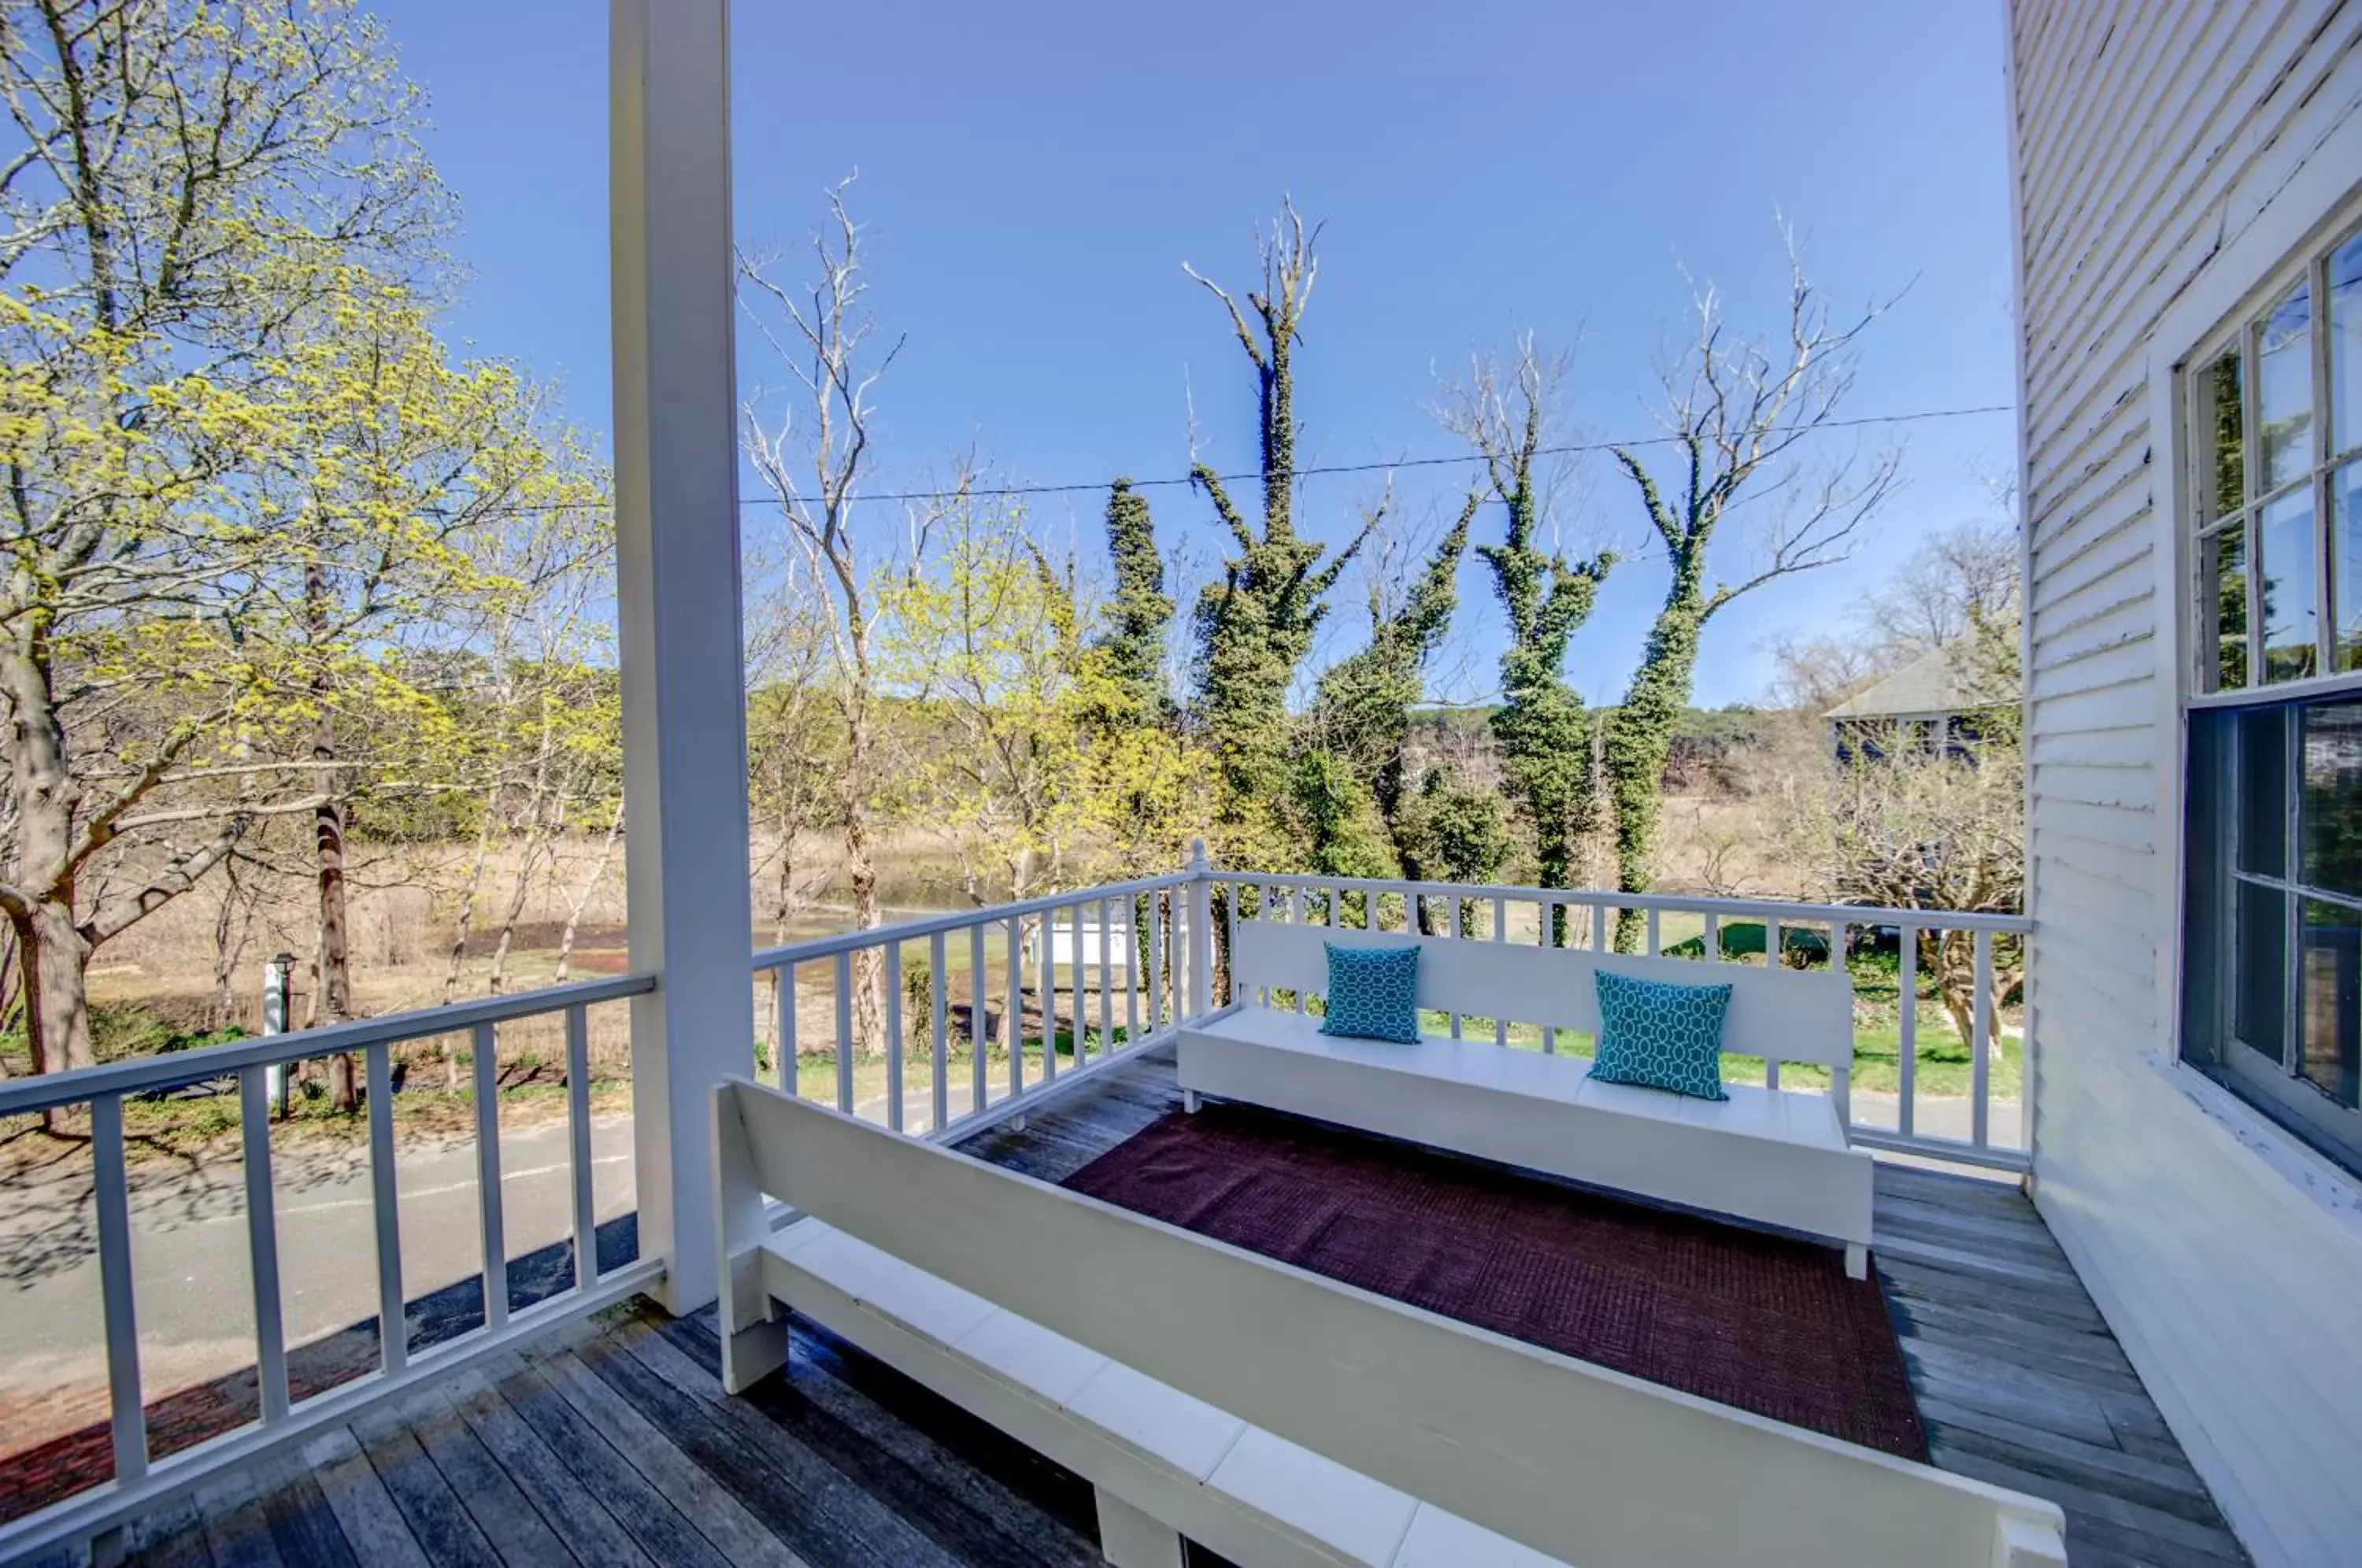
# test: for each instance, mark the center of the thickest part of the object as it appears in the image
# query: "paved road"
(194, 1288)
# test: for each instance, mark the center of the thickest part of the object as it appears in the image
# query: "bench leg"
(1189, 1100)
(1857, 1261)
(1129, 1539)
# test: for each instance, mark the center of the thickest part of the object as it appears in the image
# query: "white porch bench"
(1772, 1156)
(1279, 1418)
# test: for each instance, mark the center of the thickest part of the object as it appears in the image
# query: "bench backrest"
(1578, 1462)
(1784, 1015)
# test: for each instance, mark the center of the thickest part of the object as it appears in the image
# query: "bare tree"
(1743, 417)
(1959, 578)
(820, 328)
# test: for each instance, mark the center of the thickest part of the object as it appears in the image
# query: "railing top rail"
(1598, 897)
(983, 914)
(147, 1074)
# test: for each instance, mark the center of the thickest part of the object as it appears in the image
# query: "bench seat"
(1162, 1459)
(1772, 1156)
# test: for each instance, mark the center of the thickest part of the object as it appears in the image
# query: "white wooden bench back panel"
(1578, 1462)
(1788, 1015)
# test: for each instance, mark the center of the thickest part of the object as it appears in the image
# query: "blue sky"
(1034, 173)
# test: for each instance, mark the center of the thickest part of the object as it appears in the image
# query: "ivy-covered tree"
(1541, 728)
(1140, 616)
(1361, 709)
(1740, 413)
(1255, 627)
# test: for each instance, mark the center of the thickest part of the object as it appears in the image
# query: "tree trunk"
(1639, 738)
(53, 952)
(328, 838)
(580, 901)
(860, 856)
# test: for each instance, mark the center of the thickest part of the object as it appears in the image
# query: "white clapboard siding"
(2160, 146)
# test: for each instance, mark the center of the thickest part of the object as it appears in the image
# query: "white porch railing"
(1068, 1002)
(1021, 1001)
(140, 1481)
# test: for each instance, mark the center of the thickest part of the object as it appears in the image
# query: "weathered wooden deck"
(614, 1444)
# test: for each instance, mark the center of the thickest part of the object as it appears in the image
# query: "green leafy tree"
(193, 191)
(1740, 415)
(1541, 727)
(1255, 627)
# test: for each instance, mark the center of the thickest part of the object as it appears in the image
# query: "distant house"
(1929, 702)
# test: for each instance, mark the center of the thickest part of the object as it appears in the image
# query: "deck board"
(610, 1442)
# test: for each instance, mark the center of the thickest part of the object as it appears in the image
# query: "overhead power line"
(1320, 470)
(1315, 471)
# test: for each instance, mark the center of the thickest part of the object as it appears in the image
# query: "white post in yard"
(677, 581)
(275, 972)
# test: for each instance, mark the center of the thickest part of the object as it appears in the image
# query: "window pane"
(2223, 607)
(2330, 1005)
(2346, 562)
(2262, 790)
(2345, 344)
(2284, 387)
(2291, 624)
(2260, 1011)
(2329, 813)
(2222, 435)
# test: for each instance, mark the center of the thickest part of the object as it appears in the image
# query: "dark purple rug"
(1759, 1322)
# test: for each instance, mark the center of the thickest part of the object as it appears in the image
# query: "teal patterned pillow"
(1660, 1035)
(1373, 993)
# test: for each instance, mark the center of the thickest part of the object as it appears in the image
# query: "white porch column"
(677, 569)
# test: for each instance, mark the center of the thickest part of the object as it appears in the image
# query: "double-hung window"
(2272, 964)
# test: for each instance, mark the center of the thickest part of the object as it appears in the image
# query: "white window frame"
(2243, 332)
(2320, 199)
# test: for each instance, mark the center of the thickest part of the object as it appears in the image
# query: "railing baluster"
(1656, 937)
(894, 1035)
(844, 1032)
(1841, 1081)
(1906, 1001)
(1713, 938)
(1132, 971)
(1107, 978)
(1230, 916)
(1013, 1026)
(1981, 1053)
(1500, 933)
(1050, 991)
(111, 1187)
(784, 993)
(577, 1117)
(262, 1242)
(1771, 960)
(1295, 917)
(385, 1197)
(977, 1066)
(487, 1064)
(938, 1030)
(1451, 928)
(1157, 908)
(1547, 914)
